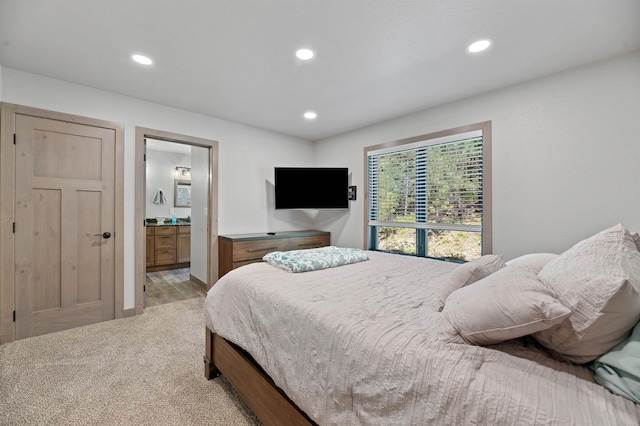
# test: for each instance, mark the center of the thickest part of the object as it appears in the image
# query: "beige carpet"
(144, 370)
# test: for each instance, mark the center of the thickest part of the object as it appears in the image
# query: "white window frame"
(459, 133)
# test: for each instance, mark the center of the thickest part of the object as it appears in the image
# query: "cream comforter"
(358, 344)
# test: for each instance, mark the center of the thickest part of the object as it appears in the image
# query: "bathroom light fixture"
(184, 171)
(479, 46)
(305, 54)
(310, 115)
(141, 59)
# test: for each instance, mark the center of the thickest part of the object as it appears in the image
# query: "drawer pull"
(262, 249)
(306, 244)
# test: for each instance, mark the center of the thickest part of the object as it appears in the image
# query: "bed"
(371, 343)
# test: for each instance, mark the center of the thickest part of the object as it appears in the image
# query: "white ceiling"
(376, 59)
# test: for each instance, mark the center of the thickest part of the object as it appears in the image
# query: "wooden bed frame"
(268, 402)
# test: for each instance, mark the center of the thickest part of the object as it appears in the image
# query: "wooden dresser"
(241, 249)
(168, 247)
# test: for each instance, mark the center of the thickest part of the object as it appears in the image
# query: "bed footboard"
(268, 402)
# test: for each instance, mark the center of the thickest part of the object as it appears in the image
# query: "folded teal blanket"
(619, 369)
(314, 259)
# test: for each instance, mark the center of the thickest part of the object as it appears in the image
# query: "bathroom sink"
(179, 221)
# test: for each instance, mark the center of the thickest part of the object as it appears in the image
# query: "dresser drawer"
(165, 241)
(301, 243)
(235, 265)
(250, 250)
(165, 230)
(165, 257)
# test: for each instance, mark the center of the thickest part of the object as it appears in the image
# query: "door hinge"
(14, 316)
(14, 138)
(145, 157)
(14, 227)
(144, 289)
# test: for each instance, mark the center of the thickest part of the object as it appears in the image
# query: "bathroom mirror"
(182, 193)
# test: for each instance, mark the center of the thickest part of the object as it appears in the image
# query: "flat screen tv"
(311, 188)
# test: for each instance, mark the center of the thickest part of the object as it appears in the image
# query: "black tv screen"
(311, 188)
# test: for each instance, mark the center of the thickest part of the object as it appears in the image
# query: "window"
(430, 195)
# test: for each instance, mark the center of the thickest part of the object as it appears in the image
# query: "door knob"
(105, 235)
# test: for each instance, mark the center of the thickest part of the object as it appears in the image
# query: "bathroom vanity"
(168, 246)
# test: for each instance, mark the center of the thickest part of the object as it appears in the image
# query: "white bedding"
(358, 344)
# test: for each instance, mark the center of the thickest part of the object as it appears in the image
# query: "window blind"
(436, 186)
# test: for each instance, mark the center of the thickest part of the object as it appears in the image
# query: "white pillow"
(599, 280)
(470, 272)
(534, 260)
(510, 303)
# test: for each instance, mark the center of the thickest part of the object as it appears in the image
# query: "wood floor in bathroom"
(170, 286)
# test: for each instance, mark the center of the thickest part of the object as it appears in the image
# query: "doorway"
(176, 194)
(170, 197)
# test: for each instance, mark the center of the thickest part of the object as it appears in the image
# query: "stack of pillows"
(579, 304)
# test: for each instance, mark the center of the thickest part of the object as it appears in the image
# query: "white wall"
(161, 173)
(246, 155)
(566, 156)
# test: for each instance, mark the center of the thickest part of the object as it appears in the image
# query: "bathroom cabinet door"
(184, 244)
(151, 247)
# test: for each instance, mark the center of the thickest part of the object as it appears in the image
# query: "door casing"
(140, 189)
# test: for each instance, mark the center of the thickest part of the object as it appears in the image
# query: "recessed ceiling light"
(310, 115)
(305, 54)
(479, 46)
(141, 59)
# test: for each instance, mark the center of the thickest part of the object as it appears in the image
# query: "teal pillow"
(619, 369)
(314, 259)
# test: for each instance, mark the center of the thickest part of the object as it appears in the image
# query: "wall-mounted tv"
(311, 188)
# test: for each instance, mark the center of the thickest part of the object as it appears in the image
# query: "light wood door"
(64, 192)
